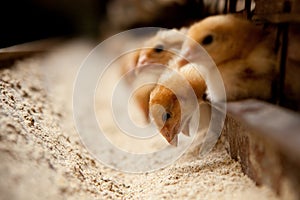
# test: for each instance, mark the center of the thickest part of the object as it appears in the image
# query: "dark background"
(28, 20)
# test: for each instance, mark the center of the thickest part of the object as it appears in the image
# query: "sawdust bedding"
(42, 156)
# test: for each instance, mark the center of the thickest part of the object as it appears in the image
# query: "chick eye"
(207, 40)
(166, 116)
(158, 48)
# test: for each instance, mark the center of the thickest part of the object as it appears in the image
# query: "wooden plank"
(277, 18)
(280, 125)
(9, 54)
(265, 139)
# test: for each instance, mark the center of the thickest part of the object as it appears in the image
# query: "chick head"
(224, 37)
(165, 112)
(160, 49)
(173, 101)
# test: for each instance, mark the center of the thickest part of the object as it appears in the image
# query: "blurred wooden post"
(265, 139)
(10, 54)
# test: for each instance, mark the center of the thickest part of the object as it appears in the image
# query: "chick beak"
(186, 128)
(185, 55)
(174, 141)
(143, 60)
(141, 63)
(181, 62)
(188, 52)
(171, 139)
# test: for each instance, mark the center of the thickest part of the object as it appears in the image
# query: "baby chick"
(156, 52)
(160, 49)
(172, 103)
(243, 53)
(244, 58)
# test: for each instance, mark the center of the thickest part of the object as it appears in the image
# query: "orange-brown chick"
(171, 109)
(161, 48)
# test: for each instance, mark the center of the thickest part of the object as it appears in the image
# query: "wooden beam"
(10, 54)
(265, 139)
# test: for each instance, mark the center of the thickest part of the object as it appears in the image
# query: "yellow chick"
(156, 52)
(244, 57)
(243, 53)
